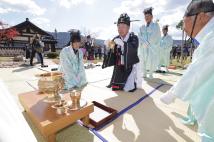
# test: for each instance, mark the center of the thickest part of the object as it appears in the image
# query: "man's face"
(76, 45)
(199, 24)
(148, 18)
(123, 29)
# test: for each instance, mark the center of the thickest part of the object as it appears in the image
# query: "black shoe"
(108, 86)
(43, 66)
(163, 71)
(31, 64)
(135, 88)
(158, 71)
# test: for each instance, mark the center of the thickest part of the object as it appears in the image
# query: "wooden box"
(101, 114)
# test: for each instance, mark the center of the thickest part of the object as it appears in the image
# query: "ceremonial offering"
(60, 107)
(50, 84)
(76, 101)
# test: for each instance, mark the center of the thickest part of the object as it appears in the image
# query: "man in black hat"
(196, 85)
(149, 38)
(123, 56)
(71, 63)
(164, 50)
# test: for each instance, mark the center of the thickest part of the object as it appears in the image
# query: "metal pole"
(182, 45)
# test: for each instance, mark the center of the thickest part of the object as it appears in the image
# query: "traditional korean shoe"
(188, 121)
(158, 71)
(135, 88)
(108, 86)
(167, 98)
(44, 66)
(163, 71)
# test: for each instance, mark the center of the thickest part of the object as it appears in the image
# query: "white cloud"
(7, 10)
(41, 22)
(24, 5)
(106, 32)
(69, 3)
(132, 7)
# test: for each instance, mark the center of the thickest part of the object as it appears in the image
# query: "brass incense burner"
(51, 83)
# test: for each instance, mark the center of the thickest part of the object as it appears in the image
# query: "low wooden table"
(45, 117)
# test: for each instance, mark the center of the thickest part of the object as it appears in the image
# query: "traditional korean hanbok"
(196, 85)
(72, 66)
(165, 48)
(124, 60)
(149, 39)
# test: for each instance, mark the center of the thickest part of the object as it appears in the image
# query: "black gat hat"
(198, 6)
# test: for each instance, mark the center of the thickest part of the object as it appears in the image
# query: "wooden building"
(27, 30)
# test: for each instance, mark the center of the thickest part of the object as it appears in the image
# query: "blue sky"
(91, 16)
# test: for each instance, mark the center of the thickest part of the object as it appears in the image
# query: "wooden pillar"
(53, 49)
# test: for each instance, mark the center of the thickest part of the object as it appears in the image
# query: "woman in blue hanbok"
(71, 63)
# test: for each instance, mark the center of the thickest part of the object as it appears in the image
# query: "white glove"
(106, 42)
(167, 98)
(119, 42)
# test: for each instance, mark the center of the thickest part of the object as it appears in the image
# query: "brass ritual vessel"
(75, 96)
(50, 84)
(60, 107)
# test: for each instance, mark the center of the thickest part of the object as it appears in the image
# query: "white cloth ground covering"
(13, 126)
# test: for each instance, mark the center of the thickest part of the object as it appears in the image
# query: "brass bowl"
(60, 106)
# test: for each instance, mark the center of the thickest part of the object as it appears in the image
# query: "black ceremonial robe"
(122, 69)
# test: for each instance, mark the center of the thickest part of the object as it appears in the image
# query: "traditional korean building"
(27, 31)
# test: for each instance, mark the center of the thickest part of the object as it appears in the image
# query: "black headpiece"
(124, 18)
(198, 6)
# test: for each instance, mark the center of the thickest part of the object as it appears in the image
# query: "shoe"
(167, 98)
(43, 66)
(135, 88)
(31, 64)
(163, 71)
(108, 86)
(188, 121)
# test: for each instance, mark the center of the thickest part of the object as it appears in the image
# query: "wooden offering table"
(45, 117)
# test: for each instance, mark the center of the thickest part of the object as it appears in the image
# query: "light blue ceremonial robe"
(196, 85)
(164, 50)
(149, 40)
(72, 66)
(13, 126)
